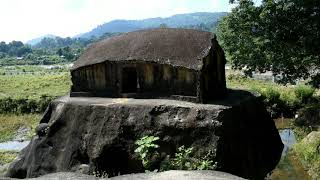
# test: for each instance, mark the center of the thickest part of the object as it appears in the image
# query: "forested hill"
(201, 20)
(37, 40)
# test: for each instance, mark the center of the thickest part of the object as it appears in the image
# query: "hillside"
(201, 20)
(37, 40)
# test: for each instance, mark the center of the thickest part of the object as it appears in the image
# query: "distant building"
(159, 63)
(19, 58)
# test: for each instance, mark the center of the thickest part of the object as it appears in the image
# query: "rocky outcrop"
(99, 133)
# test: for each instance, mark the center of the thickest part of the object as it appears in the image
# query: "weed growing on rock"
(100, 174)
(146, 148)
(184, 158)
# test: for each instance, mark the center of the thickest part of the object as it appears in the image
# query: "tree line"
(47, 51)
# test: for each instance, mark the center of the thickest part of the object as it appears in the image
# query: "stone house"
(158, 63)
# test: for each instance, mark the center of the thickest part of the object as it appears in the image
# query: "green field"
(27, 93)
(34, 86)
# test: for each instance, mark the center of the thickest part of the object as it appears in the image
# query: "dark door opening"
(129, 80)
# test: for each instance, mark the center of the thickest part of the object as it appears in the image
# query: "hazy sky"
(27, 19)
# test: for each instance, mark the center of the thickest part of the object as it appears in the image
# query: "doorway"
(129, 80)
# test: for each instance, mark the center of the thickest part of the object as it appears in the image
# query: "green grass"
(10, 123)
(7, 157)
(32, 69)
(279, 99)
(240, 82)
(34, 86)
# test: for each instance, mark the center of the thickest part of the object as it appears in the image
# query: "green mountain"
(37, 40)
(201, 20)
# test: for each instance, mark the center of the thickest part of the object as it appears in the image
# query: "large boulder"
(168, 175)
(179, 175)
(99, 133)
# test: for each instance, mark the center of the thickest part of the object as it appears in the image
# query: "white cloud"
(26, 19)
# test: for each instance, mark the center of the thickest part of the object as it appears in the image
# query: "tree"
(163, 25)
(279, 35)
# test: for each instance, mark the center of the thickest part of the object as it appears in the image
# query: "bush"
(279, 99)
(184, 158)
(308, 150)
(304, 93)
(146, 149)
(272, 100)
(25, 105)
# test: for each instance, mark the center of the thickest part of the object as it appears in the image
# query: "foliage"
(185, 160)
(281, 36)
(14, 48)
(10, 123)
(7, 157)
(279, 99)
(47, 51)
(24, 105)
(308, 151)
(304, 93)
(146, 148)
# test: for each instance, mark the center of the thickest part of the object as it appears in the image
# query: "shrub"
(24, 105)
(272, 100)
(184, 158)
(146, 147)
(304, 93)
(308, 150)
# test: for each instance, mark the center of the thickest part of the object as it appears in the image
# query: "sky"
(27, 19)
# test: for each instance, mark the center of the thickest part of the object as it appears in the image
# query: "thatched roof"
(177, 47)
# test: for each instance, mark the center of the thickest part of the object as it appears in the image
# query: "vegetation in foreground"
(280, 100)
(7, 156)
(10, 123)
(308, 150)
(184, 158)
